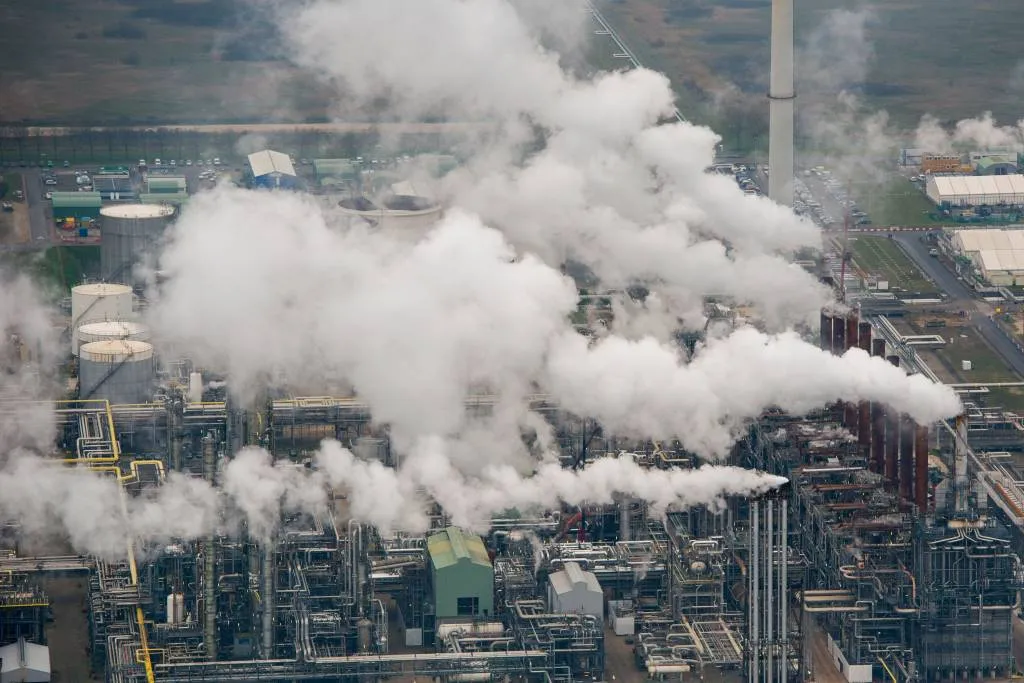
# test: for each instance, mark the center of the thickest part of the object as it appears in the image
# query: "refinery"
(548, 389)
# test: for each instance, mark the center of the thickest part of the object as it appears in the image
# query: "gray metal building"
(575, 591)
(130, 231)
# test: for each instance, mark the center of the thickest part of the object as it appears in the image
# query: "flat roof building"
(997, 254)
(78, 205)
(965, 190)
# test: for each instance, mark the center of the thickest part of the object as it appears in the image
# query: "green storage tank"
(462, 576)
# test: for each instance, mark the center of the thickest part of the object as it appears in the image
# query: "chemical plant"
(893, 553)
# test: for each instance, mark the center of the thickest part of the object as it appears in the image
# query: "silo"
(120, 371)
(98, 302)
(108, 330)
(128, 232)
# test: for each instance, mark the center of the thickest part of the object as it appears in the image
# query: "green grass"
(56, 269)
(883, 257)
(944, 57)
(898, 202)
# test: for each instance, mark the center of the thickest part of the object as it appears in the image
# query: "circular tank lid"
(137, 211)
(116, 350)
(101, 289)
(113, 328)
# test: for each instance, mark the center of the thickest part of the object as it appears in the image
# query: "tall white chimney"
(781, 94)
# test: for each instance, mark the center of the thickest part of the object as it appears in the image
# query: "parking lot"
(822, 197)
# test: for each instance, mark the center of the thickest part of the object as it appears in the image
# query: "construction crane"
(847, 255)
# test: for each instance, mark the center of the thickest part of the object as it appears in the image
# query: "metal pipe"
(269, 599)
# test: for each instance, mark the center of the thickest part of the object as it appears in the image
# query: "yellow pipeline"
(887, 669)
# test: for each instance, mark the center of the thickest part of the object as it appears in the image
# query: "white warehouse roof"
(24, 662)
(269, 161)
(969, 190)
(992, 250)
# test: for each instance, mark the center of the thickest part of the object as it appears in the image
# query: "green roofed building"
(335, 171)
(165, 185)
(176, 199)
(462, 576)
(78, 205)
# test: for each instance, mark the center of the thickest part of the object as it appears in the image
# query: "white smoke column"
(599, 190)
(977, 134)
(472, 501)
(642, 388)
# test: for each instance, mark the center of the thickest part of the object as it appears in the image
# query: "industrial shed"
(272, 169)
(996, 164)
(574, 591)
(461, 575)
(113, 187)
(176, 199)
(81, 206)
(335, 171)
(997, 254)
(990, 190)
(166, 185)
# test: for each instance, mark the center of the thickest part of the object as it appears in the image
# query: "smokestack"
(921, 468)
(878, 420)
(892, 445)
(781, 96)
(907, 458)
(877, 461)
(864, 409)
(852, 329)
(826, 331)
(864, 337)
(838, 335)
(892, 437)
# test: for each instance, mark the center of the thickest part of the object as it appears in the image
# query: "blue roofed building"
(272, 169)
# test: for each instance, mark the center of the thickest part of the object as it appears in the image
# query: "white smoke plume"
(609, 187)
(977, 134)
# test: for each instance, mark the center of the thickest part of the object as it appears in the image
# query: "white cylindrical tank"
(108, 330)
(407, 217)
(97, 302)
(195, 387)
(128, 232)
(171, 609)
(119, 371)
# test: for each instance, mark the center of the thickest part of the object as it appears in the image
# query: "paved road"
(947, 281)
(42, 228)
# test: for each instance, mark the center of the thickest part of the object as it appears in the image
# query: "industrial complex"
(877, 545)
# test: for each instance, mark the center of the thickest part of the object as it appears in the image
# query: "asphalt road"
(948, 282)
(43, 232)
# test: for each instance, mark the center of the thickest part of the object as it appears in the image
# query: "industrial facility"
(894, 547)
(402, 211)
(996, 255)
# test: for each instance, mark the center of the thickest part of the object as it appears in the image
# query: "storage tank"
(403, 215)
(128, 232)
(110, 329)
(120, 371)
(98, 302)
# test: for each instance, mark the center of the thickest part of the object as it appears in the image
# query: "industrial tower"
(781, 96)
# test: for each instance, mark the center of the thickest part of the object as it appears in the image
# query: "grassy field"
(897, 203)
(132, 61)
(882, 257)
(949, 58)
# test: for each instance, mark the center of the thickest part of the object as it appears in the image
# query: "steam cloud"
(270, 284)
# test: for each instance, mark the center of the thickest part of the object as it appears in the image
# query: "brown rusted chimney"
(907, 433)
(826, 331)
(878, 347)
(878, 420)
(892, 439)
(852, 327)
(838, 335)
(921, 468)
(864, 337)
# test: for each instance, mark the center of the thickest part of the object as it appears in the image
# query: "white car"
(49, 195)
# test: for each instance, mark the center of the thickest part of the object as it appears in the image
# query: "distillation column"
(768, 589)
(210, 559)
(781, 96)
